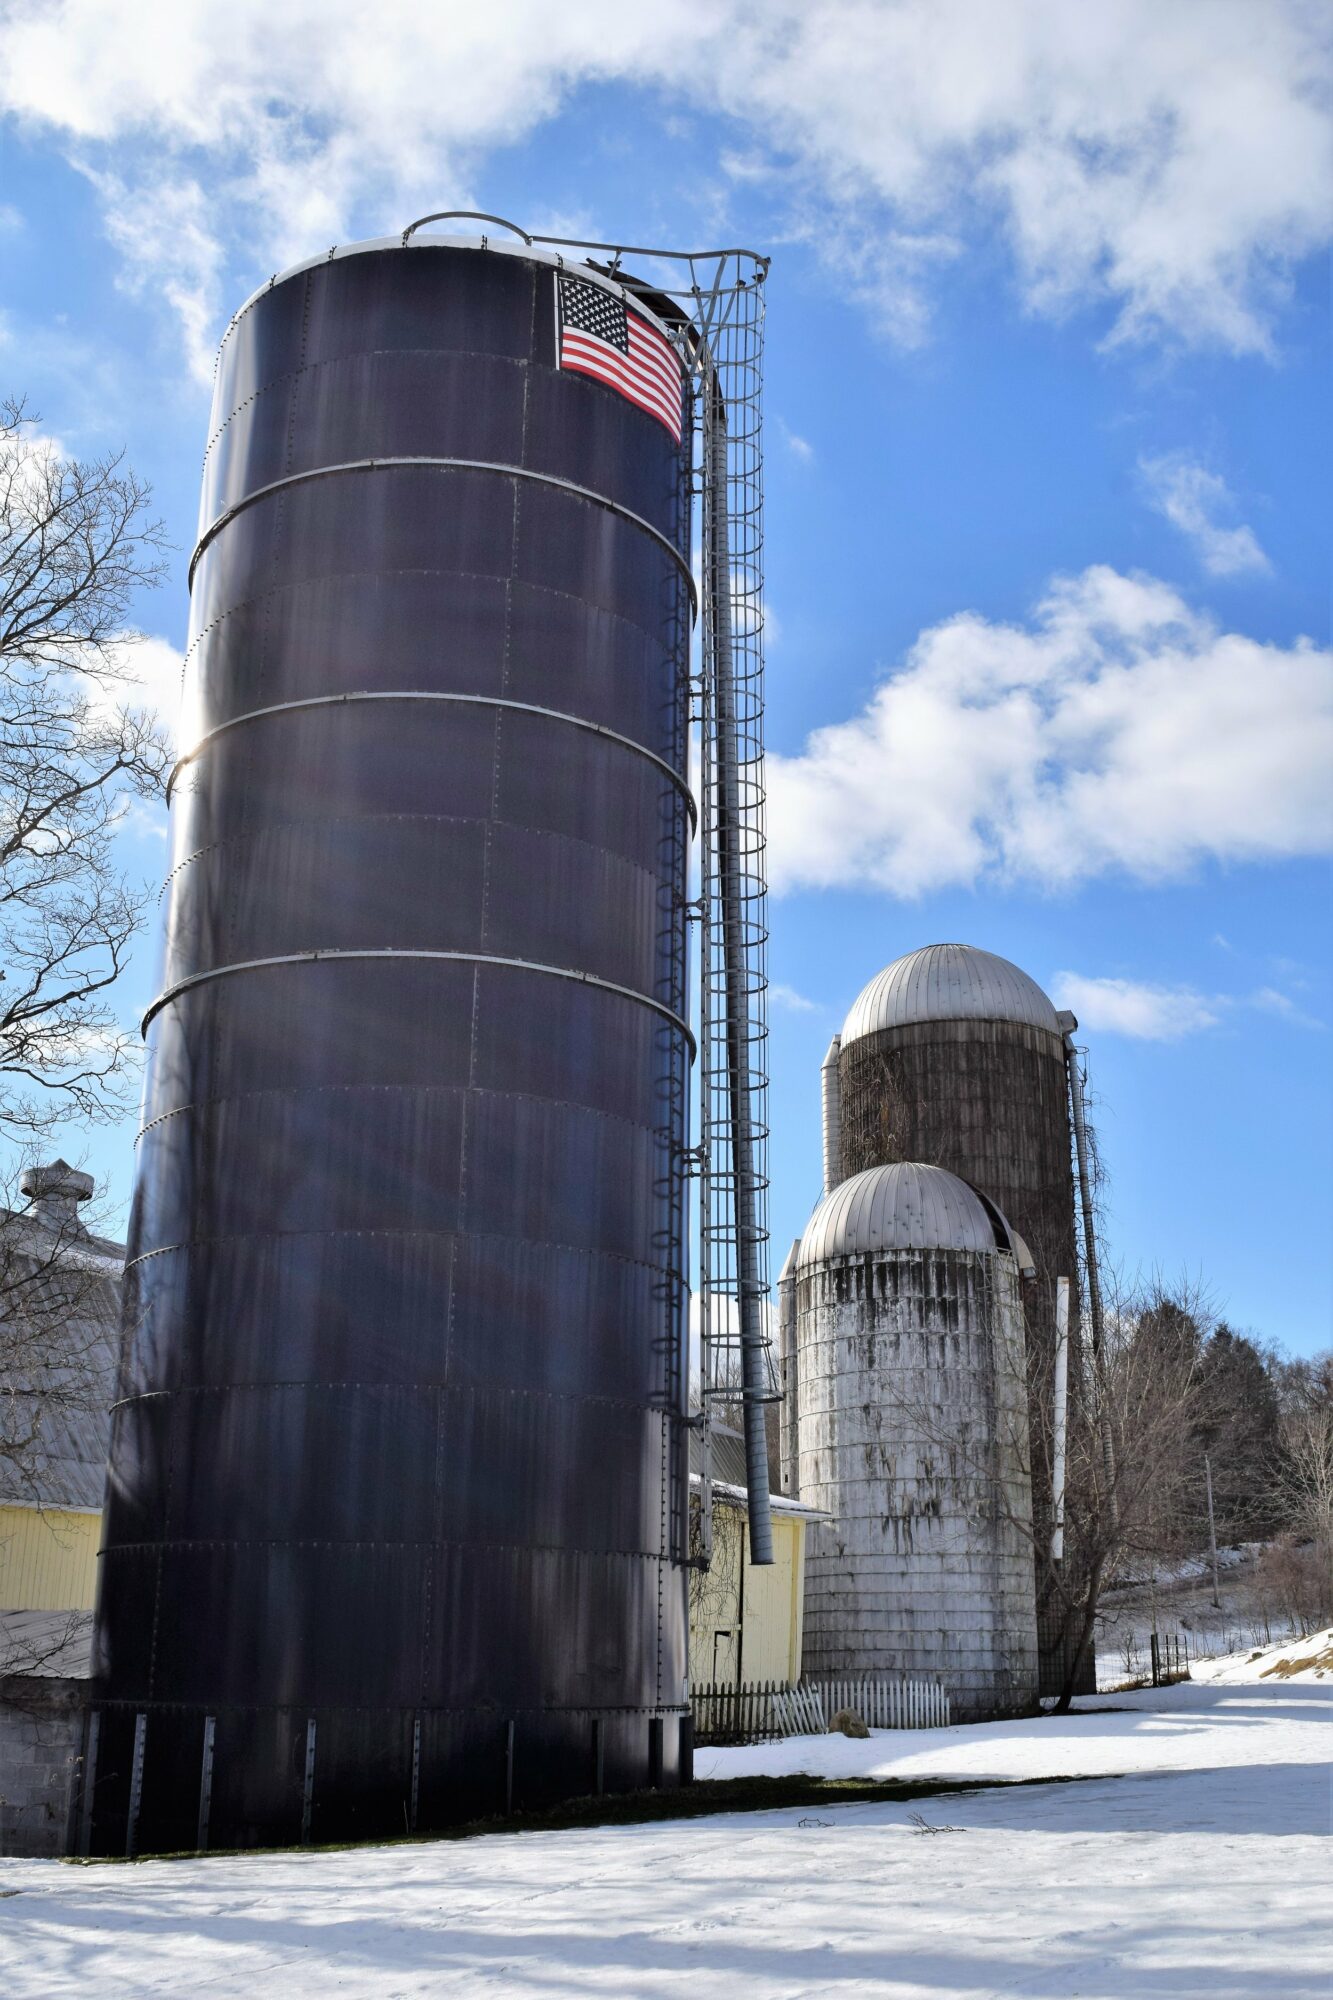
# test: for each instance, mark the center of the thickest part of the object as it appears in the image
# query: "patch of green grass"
(706, 1796)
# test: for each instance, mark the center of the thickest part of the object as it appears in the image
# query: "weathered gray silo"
(911, 1422)
(956, 1057)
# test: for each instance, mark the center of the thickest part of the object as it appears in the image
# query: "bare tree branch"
(76, 542)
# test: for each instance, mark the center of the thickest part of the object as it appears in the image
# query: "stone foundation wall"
(41, 1744)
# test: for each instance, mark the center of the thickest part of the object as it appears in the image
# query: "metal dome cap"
(948, 982)
(905, 1206)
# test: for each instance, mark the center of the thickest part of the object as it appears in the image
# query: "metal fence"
(763, 1711)
(1169, 1653)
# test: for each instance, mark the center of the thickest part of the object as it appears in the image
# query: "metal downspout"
(1058, 1419)
(789, 1356)
(830, 1100)
(754, 1384)
(1095, 1315)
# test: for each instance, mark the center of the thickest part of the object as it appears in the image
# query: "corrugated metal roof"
(902, 1207)
(948, 982)
(66, 1464)
(728, 1455)
(50, 1643)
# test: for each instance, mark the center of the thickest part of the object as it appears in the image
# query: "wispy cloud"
(1270, 1001)
(1088, 140)
(1117, 731)
(1153, 1013)
(789, 1000)
(1131, 1007)
(800, 448)
(1198, 502)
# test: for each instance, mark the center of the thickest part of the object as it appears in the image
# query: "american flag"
(601, 337)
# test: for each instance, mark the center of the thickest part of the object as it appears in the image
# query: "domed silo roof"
(904, 1206)
(948, 982)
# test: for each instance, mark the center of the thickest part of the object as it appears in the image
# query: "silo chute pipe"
(749, 1286)
(1095, 1314)
(1058, 1418)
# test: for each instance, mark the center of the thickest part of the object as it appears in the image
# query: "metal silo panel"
(400, 1444)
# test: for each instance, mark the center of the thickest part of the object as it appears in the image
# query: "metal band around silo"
(456, 465)
(429, 694)
(393, 952)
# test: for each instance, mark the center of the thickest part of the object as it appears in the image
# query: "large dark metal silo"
(956, 1058)
(397, 1509)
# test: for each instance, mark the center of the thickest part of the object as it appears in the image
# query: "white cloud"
(800, 448)
(1165, 1013)
(1192, 498)
(1168, 162)
(1129, 1007)
(150, 676)
(1116, 731)
(789, 1000)
(1269, 1001)
(166, 238)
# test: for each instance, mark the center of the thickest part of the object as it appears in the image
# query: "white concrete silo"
(912, 1433)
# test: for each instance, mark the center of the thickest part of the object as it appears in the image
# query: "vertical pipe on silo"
(749, 1302)
(789, 1358)
(1075, 1073)
(1059, 1419)
(830, 1093)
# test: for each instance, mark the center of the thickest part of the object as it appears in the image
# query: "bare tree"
(76, 542)
(1304, 1469)
(1147, 1390)
(715, 1586)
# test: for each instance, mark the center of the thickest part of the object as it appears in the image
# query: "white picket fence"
(726, 1714)
(882, 1703)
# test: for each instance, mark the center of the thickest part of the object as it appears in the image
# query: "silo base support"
(136, 1785)
(308, 1785)
(84, 1836)
(205, 1784)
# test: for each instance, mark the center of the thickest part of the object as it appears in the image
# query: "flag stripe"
(591, 363)
(631, 369)
(631, 395)
(594, 357)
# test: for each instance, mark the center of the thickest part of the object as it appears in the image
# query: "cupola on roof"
(904, 1206)
(948, 982)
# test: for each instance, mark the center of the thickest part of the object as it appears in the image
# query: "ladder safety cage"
(714, 310)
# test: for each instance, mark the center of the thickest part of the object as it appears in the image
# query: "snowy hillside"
(1263, 1599)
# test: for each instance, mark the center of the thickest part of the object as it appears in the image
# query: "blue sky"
(1048, 399)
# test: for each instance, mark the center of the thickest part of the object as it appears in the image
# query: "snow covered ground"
(1197, 1870)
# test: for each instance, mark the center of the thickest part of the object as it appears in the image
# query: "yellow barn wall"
(771, 1633)
(48, 1559)
(767, 1628)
